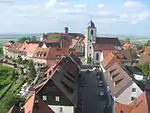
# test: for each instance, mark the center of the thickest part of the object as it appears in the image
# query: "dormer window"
(118, 81)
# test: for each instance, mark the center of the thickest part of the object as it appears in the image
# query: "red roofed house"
(67, 40)
(36, 105)
(50, 56)
(126, 46)
(140, 105)
(28, 50)
(94, 46)
(145, 56)
(12, 50)
(33, 105)
(60, 90)
(119, 80)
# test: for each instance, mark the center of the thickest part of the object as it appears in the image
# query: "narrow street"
(92, 102)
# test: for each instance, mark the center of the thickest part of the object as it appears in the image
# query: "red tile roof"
(147, 50)
(121, 107)
(109, 60)
(107, 52)
(126, 46)
(36, 105)
(31, 47)
(15, 109)
(140, 105)
(7, 44)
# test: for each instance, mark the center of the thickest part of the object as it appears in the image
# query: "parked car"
(100, 83)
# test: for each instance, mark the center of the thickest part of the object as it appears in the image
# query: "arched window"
(92, 32)
(97, 56)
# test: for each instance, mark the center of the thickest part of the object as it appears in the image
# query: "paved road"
(92, 103)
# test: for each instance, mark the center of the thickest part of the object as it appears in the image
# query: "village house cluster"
(125, 87)
(46, 52)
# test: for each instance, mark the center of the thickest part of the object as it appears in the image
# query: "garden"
(10, 84)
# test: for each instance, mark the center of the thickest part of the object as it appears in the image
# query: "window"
(90, 41)
(44, 97)
(97, 56)
(90, 47)
(57, 98)
(121, 111)
(133, 89)
(61, 109)
(92, 32)
(90, 55)
(132, 98)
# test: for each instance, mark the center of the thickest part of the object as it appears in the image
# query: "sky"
(123, 17)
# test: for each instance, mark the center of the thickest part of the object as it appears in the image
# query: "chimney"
(66, 30)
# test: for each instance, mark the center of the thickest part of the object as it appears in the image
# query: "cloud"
(80, 5)
(132, 18)
(54, 3)
(101, 5)
(133, 4)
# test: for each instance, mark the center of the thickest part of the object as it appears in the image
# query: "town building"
(60, 90)
(145, 56)
(119, 80)
(67, 40)
(94, 46)
(140, 105)
(33, 105)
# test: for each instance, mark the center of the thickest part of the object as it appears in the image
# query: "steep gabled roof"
(36, 105)
(144, 58)
(109, 60)
(117, 78)
(147, 50)
(140, 105)
(65, 75)
(15, 109)
(108, 41)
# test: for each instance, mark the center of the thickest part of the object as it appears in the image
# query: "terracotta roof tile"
(140, 105)
(147, 50)
(144, 58)
(31, 47)
(109, 60)
(121, 107)
(36, 105)
(15, 109)
(126, 46)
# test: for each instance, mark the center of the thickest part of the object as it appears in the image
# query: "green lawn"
(13, 84)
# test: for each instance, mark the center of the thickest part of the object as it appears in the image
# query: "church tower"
(42, 37)
(90, 34)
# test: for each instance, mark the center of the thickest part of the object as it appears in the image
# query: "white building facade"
(90, 36)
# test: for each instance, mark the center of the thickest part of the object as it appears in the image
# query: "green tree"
(127, 40)
(148, 43)
(132, 52)
(1, 51)
(145, 69)
(22, 40)
(32, 72)
(34, 38)
(53, 37)
(19, 60)
(89, 60)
